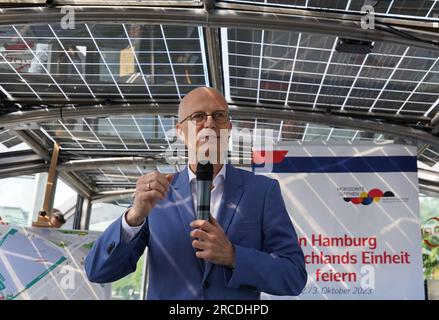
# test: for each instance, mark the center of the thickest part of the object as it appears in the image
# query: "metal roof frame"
(212, 15)
(242, 16)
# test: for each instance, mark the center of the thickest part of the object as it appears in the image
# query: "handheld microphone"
(204, 183)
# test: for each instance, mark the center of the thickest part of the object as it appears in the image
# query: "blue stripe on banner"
(343, 164)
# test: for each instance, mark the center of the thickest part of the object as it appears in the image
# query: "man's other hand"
(150, 189)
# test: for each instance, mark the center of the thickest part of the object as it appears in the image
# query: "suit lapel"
(182, 195)
(233, 189)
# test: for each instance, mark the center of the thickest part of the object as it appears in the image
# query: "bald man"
(248, 245)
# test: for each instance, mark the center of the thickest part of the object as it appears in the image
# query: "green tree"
(429, 208)
(128, 288)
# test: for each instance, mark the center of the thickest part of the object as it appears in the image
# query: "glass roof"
(300, 69)
(143, 133)
(120, 176)
(430, 157)
(149, 63)
(135, 135)
(10, 142)
(101, 61)
(45, 65)
(114, 133)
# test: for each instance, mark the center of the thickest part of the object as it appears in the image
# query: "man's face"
(55, 223)
(208, 135)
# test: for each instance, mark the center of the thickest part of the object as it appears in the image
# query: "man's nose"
(209, 123)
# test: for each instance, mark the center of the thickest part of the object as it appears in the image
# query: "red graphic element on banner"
(366, 198)
(276, 156)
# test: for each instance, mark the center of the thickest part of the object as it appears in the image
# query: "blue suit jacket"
(253, 215)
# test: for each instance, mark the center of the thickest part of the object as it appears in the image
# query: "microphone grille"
(204, 171)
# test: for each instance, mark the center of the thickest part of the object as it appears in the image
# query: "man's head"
(203, 123)
(56, 219)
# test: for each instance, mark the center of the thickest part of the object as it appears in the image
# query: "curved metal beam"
(428, 190)
(343, 120)
(21, 170)
(214, 52)
(344, 25)
(76, 165)
(107, 196)
(21, 120)
(18, 163)
(18, 120)
(428, 181)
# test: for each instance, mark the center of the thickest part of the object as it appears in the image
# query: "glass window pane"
(102, 215)
(430, 236)
(13, 209)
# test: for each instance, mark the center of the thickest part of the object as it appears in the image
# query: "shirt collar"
(220, 177)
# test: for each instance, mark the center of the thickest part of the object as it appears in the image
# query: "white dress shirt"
(216, 194)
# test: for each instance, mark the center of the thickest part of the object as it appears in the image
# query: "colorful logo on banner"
(366, 198)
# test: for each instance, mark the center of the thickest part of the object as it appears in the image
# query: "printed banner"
(356, 212)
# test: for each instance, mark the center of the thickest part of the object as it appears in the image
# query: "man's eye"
(219, 115)
(198, 116)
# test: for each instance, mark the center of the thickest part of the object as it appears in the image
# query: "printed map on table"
(40, 263)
